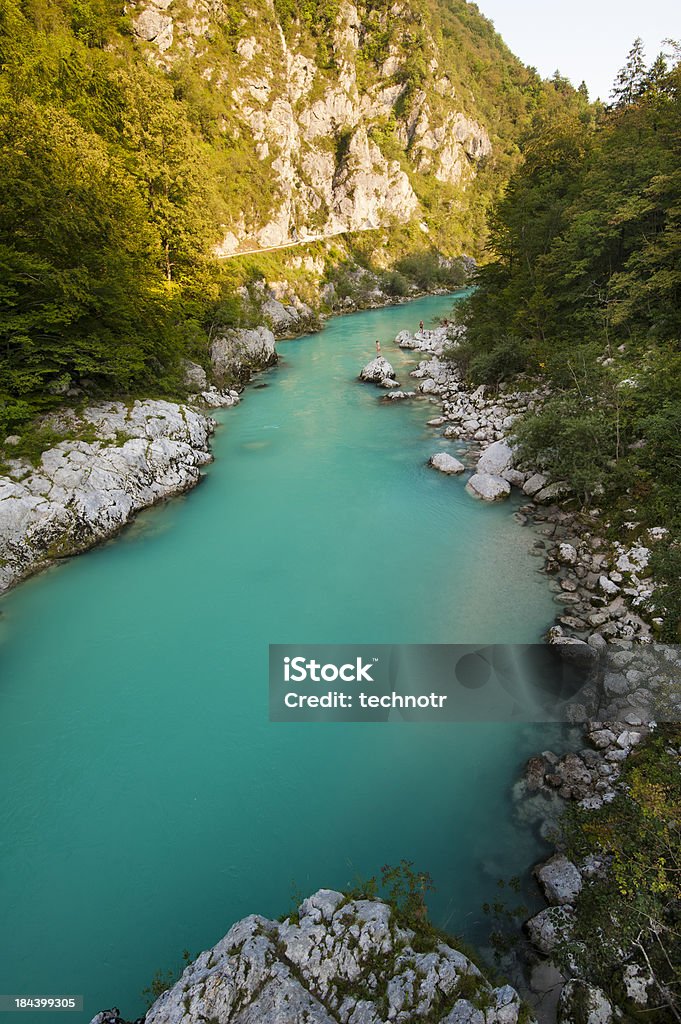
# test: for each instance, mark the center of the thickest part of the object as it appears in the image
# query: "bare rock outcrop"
(337, 961)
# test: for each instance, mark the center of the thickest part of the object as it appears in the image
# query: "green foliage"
(585, 292)
(395, 283)
(163, 980)
(636, 905)
(572, 439)
(428, 270)
(507, 357)
(406, 891)
(318, 17)
(665, 565)
(104, 232)
(505, 918)
(79, 297)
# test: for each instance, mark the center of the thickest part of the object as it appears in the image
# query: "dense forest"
(104, 221)
(584, 292)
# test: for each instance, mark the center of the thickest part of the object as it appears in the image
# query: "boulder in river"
(446, 463)
(488, 488)
(378, 370)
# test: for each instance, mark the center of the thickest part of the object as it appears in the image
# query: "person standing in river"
(378, 347)
(421, 326)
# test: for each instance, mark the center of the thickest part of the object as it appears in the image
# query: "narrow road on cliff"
(290, 245)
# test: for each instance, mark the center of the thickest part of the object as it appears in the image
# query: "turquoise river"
(147, 802)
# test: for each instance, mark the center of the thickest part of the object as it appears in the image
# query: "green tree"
(631, 80)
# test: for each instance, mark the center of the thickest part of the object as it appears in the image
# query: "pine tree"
(631, 80)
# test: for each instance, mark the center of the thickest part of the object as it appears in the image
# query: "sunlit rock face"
(342, 135)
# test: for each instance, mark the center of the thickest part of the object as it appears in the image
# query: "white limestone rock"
(552, 493)
(514, 477)
(194, 377)
(581, 1003)
(566, 554)
(535, 484)
(446, 463)
(378, 370)
(324, 966)
(283, 318)
(638, 983)
(155, 27)
(560, 880)
(83, 492)
(239, 351)
(496, 459)
(220, 399)
(488, 488)
(608, 586)
(549, 928)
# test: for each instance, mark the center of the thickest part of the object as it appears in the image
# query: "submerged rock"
(488, 488)
(335, 960)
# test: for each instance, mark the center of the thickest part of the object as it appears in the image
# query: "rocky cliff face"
(338, 961)
(345, 137)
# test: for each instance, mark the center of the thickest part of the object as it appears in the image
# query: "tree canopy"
(584, 289)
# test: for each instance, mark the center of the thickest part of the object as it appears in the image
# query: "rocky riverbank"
(600, 587)
(83, 492)
(605, 609)
(336, 961)
(116, 459)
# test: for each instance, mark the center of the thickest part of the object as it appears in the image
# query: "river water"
(147, 803)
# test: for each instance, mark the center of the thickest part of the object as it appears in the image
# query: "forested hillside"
(135, 140)
(585, 292)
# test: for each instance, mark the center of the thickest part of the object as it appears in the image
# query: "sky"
(587, 40)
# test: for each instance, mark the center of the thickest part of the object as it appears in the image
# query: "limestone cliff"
(351, 112)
